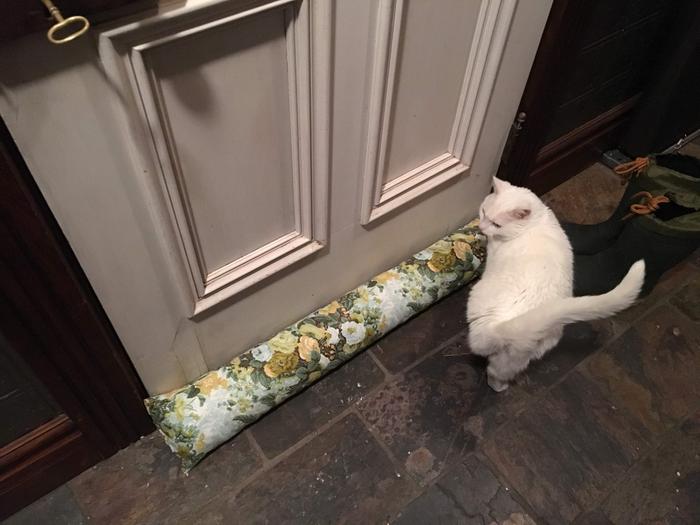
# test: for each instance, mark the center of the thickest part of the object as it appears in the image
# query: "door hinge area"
(513, 134)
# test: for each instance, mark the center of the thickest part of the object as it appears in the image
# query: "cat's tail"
(534, 324)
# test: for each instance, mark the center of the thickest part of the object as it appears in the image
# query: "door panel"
(432, 79)
(419, 131)
(24, 400)
(238, 107)
(262, 157)
(228, 113)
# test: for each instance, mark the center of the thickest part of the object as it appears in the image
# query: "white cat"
(518, 310)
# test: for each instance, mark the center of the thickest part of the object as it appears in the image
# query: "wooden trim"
(34, 442)
(41, 461)
(51, 317)
(380, 198)
(532, 162)
(579, 148)
(554, 57)
(585, 133)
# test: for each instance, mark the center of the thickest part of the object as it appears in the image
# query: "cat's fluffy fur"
(518, 310)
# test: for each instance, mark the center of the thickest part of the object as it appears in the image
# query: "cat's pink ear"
(499, 185)
(520, 213)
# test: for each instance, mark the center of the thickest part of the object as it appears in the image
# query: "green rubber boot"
(663, 235)
(589, 239)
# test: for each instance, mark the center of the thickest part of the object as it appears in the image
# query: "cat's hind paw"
(497, 384)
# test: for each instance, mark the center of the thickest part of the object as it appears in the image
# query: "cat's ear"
(499, 185)
(520, 213)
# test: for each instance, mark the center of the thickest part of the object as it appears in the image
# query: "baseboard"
(562, 158)
(41, 461)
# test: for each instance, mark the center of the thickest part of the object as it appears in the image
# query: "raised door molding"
(380, 196)
(128, 54)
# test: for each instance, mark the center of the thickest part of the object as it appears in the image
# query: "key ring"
(82, 23)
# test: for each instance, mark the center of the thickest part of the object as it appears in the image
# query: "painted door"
(223, 168)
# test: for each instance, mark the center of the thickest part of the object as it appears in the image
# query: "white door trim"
(491, 32)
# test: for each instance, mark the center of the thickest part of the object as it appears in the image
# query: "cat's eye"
(496, 224)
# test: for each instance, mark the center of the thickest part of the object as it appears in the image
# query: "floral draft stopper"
(200, 416)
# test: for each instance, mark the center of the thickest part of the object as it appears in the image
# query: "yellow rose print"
(440, 262)
(306, 346)
(284, 342)
(410, 268)
(241, 372)
(280, 364)
(314, 331)
(209, 382)
(357, 317)
(463, 237)
(180, 405)
(200, 443)
(442, 246)
(468, 276)
(385, 277)
(461, 249)
(331, 308)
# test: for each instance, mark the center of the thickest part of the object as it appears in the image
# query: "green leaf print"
(192, 391)
(259, 377)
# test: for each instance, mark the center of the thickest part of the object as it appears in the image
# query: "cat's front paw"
(497, 384)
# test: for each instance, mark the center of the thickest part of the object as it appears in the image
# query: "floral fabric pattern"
(200, 416)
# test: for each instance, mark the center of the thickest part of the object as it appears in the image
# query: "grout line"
(505, 482)
(434, 351)
(392, 457)
(307, 438)
(84, 511)
(387, 375)
(680, 313)
(270, 463)
(655, 444)
(233, 491)
(450, 496)
(256, 447)
(400, 470)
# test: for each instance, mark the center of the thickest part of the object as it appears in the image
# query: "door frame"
(530, 161)
(51, 316)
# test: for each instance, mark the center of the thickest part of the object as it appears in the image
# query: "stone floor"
(606, 429)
